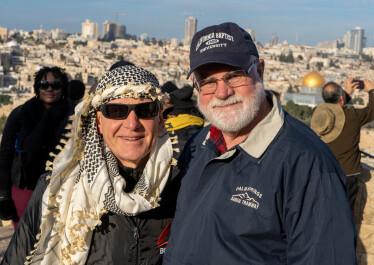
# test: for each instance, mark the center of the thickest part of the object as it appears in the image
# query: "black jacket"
(118, 240)
(35, 132)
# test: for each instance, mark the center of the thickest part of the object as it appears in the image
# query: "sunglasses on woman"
(56, 85)
(116, 111)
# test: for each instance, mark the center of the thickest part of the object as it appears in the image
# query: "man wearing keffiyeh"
(110, 195)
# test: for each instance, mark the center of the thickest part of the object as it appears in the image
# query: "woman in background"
(31, 132)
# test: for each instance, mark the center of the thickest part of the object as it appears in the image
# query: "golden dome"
(313, 79)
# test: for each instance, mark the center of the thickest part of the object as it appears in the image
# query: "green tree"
(78, 42)
(3, 119)
(300, 57)
(289, 89)
(110, 56)
(300, 112)
(319, 66)
(120, 58)
(290, 58)
(366, 58)
(287, 59)
(5, 99)
(78, 76)
(19, 39)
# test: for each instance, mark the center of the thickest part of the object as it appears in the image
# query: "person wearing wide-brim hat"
(339, 125)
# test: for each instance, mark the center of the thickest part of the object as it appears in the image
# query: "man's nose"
(223, 90)
(132, 122)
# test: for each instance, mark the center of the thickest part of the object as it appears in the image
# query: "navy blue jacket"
(277, 198)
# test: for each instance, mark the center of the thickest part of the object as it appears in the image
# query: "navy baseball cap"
(226, 43)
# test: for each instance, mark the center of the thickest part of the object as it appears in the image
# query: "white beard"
(235, 119)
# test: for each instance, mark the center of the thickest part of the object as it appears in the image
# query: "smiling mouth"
(131, 138)
(226, 105)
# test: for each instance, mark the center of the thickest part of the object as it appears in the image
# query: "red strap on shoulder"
(163, 236)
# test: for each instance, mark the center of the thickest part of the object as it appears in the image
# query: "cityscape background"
(304, 45)
(302, 22)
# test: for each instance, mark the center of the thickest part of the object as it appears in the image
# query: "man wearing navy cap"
(259, 187)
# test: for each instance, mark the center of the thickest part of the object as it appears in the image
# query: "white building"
(90, 30)
(59, 34)
(355, 39)
(112, 31)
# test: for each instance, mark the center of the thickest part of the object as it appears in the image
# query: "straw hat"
(327, 121)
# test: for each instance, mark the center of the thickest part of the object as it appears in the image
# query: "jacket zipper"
(136, 236)
(130, 220)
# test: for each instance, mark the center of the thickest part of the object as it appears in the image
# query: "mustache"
(216, 102)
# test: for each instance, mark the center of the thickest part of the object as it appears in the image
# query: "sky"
(302, 22)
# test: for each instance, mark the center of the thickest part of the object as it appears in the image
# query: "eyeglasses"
(232, 79)
(56, 85)
(116, 111)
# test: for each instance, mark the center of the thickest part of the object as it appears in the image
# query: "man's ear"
(261, 68)
(341, 102)
(99, 117)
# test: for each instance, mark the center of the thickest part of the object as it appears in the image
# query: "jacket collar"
(265, 131)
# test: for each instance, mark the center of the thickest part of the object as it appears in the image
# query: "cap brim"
(230, 58)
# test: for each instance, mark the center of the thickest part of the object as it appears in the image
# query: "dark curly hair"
(57, 73)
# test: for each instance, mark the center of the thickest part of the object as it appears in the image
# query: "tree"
(19, 39)
(288, 59)
(300, 112)
(300, 57)
(78, 76)
(62, 57)
(3, 119)
(5, 99)
(289, 89)
(120, 58)
(319, 66)
(110, 56)
(366, 58)
(77, 43)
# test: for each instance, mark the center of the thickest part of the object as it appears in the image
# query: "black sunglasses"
(56, 85)
(116, 111)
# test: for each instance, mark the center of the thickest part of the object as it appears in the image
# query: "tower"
(190, 30)
(274, 39)
(355, 39)
(90, 30)
(109, 30)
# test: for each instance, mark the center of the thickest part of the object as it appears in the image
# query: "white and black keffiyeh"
(85, 181)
